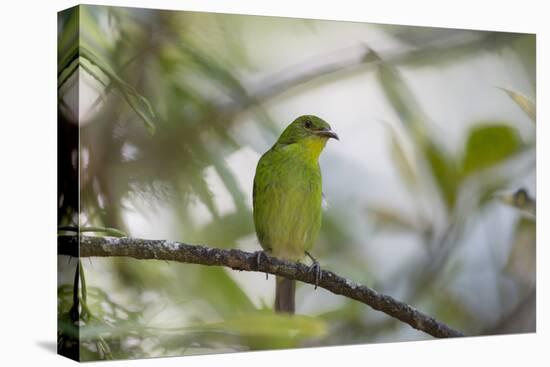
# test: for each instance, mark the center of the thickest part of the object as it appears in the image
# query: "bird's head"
(310, 131)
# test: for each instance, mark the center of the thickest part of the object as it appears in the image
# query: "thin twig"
(240, 260)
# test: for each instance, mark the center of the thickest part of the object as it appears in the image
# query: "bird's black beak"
(328, 133)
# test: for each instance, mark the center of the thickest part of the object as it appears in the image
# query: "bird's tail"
(284, 295)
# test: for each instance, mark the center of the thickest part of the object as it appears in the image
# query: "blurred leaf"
(96, 48)
(522, 259)
(524, 103)
(65, 62)
(201, 189)
(227, 229)
(450, 307)
(230, 182)
(440, 163)
(142, 108)
(102, 334)
(444, 170)
(221, 291)
(333, 234)
(137, 102)
(231, 33)
(96, 328)
(67, 43)
(108, 231)
(425, 36)
(392, 220)
(67, 72)
(441, 52)
(401, 99)
(268, 323)
(217, 159)
(94, 71)
(91, 32)
(488, 143)
(402, 159)
(349, 311)
(214, 71)
(525, 48)
(256, 330)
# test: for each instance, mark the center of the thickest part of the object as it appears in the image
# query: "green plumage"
(287, 205)
(287, 195)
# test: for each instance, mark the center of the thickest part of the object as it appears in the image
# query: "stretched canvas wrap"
(233, 183)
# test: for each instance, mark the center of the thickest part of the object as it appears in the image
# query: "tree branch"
(239, 260)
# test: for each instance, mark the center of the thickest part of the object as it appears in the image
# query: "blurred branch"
(240, 260)
(357, 59)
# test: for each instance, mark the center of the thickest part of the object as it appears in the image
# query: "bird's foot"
(316, 268)
(259, 255)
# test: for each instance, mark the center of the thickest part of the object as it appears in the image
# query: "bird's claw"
(259, 258)
(259, 255)
(315, 267)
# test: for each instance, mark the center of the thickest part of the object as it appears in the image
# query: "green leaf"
(67, 59)
(142, 108)
(489, 143)
(270, 324)
(442, 166)
(255, 330)
(90, 30)
(136, 101)
(527, 105)
(222, 292)
(402, 159)
(109, 231)
(525, 48)
(215, 71)
(401, 98)
(201, 189)
(67, 72)
(444, 170)
(94, 71)
(67, 43)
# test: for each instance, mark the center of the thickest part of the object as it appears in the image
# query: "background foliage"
(437, 132)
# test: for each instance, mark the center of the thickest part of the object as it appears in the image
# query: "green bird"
(287, 197)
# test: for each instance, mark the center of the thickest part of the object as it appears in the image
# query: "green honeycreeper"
(287, 197)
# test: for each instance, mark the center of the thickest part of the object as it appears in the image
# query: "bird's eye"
(308, 124)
